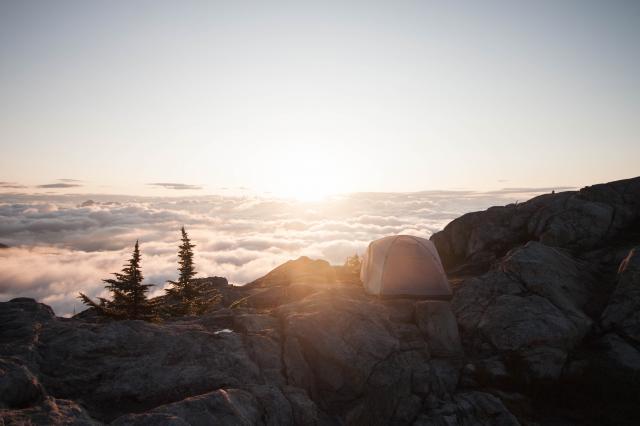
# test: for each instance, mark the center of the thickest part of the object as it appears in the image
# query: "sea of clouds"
(62, 244)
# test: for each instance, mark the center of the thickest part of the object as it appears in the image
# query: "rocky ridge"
(543, 328)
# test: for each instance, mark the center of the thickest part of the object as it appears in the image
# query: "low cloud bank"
(60, 244)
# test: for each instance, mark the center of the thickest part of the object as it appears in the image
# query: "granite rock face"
(576, 220)
(547, 298)
(527, 310)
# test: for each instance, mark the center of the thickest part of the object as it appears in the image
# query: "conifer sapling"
(129, 295)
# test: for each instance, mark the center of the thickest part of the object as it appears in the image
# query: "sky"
(305, 99)
(274, 129)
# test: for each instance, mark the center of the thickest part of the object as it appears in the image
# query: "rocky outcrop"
(575, 220)
(546, 297)
(469, 409)
(622, 314)
(50, 411)
(543, 328)
(300, 271)
(609, 364)
(355, 361)
(331, 357)
(528, 311)
(257, 405)
(289, 282)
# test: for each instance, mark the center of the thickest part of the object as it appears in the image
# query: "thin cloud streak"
(11, 185)
(177, 186)
(58, 185)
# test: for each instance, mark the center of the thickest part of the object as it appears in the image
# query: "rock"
(18, 386)
(481, 237)
(469, 408)
(254, 323)
(612, 367)
(401, 310)
(528, 309)
(304, 410)
(225, 407)
(390, 395)
(114, 368)
(437, 322)
(619, 362)
(580, 221)
(125, 366)
(265, 350)
(346, 351)
(300, 271)
(51, 411)
(289, 407)
(22, 320)
(622, 313)
(255, 405)
(272, 297)
(333, 344)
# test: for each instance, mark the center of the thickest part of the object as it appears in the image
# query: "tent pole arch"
(436, 260)
(397, 266)
(384, 263)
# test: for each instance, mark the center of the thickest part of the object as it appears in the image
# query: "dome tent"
(404, 266)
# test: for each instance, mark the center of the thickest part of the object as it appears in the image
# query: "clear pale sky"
(315, 97)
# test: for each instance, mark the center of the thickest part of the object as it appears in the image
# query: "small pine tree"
(129, 295)
(187, 292)
(353, 263)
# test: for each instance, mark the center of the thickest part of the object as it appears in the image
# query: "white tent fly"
(404, 266)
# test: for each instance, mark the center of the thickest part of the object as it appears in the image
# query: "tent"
(404, 266)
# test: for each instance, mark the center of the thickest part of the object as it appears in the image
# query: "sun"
(308, 177)
(305, 190)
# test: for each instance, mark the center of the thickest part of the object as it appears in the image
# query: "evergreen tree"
(129, 295)
(353, 263)
(187, 292)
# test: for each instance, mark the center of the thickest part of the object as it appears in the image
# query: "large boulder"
(132, 365)
(358, 363)
(622, 314)
(438, 323)
(23, 320)
(18, 386)
(527, 310)
(50, 411)
(612, 366)
(228, 407)
(117, 367)
(469, 409)
(256, 405)
(576, 220)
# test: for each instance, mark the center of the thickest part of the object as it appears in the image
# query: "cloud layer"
(62, 244)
